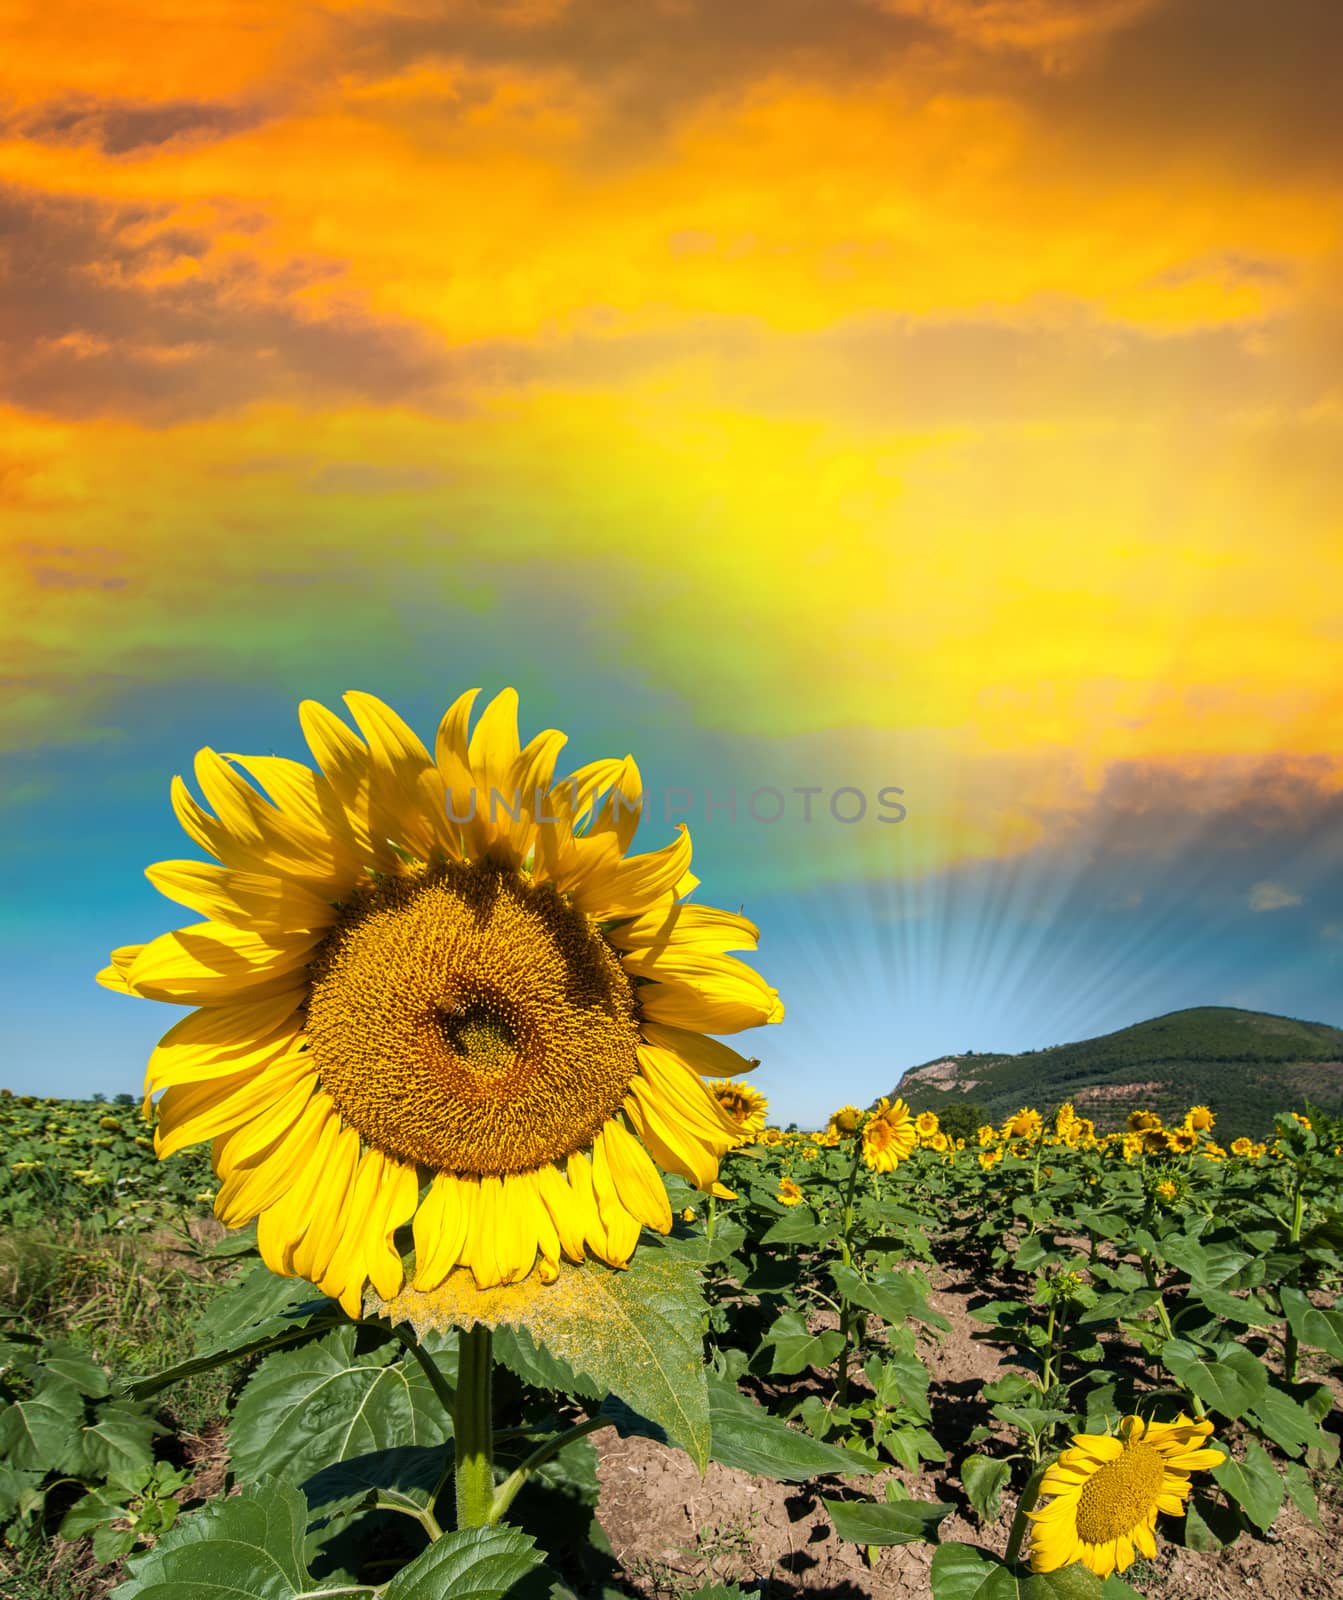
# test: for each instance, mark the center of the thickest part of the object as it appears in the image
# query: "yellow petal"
(641, 1191)
(407, 789)
(281, 1226)
(242, 899)
(258, 1179)
(703, 928)
(564, 1211)
(398, 1193)
(622, 1227)
(192, 1112)
(219, 1040)
(117, 976)
(634, 885)
(332, 1197)
(711, 994)
(442, 1225)
(210, 963)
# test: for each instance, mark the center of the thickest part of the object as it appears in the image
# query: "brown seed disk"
(472, 1021)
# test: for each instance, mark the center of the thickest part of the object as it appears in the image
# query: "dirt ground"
(672, 1531)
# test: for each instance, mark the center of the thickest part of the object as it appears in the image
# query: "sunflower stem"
(505, 1494)
(474, 1436)
(1029, 1495)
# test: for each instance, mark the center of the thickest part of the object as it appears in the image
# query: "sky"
(942, 396)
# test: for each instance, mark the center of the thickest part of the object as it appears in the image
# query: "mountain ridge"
(1245, 1065)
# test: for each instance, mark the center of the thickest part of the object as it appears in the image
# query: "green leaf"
(1246, 1312)
(1253, 1484)
(898, 1522)
(637, 1334)
(405, 1477)
(1228, 1379)
(43, 1432)
(798, 1227)
(895, 1296)
(1322, 1330)
(247, 1547)
(796, 1348)
(95, 1509)
(1302, 1492)
(984, 1478)
(307, 1409)
(1209, 1524)
(75, 1367)
(962, 1572)
(117, 1443)
(1284, 1420)
(745, 1435)
(467, 1564)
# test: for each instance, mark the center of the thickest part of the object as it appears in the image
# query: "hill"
(1246, 1065)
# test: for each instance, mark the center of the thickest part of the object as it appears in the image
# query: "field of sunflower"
(495, 1190)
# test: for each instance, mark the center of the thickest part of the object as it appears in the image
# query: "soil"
(672, 1531)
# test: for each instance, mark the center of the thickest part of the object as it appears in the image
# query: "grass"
(130, 1301)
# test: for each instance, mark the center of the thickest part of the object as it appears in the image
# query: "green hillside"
(1246, 1065)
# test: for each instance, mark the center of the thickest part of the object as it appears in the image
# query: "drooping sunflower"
(440, 989)
(844, 1122)
(889, 1139)
(1108, 1490)
(746, 1106)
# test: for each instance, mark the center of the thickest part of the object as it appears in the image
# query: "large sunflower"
(889, 1138)
(438, 988)
(1107, 1491)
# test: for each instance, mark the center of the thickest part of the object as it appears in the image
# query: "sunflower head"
(789, 1193)
(844, 1122)
(1025, 1124)
(746, 1107)
(1200, 1119)
(1180, 1141)
(439, 989)
(1141, 1121)
(1107, 1490)
(889, 1139)
(1242, 1146)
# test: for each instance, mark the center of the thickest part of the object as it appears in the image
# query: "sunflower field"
(496, 1213)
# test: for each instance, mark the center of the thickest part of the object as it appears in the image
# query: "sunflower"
(746, 1106)
(1242, 1146)
(844, 1122)
(789, 1192)
(926, 1124)
(889, 1139)
(1200, 1119)
(989, 1159)
(1180, 1141)
(1141, 1121)
(1107, 1491)
(1024, 1125)
(438, 990)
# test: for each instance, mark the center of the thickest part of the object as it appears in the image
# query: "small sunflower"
(789, 1193)
(889, 1139)
(1107, 1491)
(988, 1159)
(437, 989)
(747, 1107)
(926, 1124)
(1180, 1141)
(1167, 1190)
(1141, 1121)
(844, 1122)
(1242, 1146)
(1024, 1125)
(1200, 1119)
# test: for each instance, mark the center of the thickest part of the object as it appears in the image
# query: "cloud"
(121, 128)
(116, 309)
(1267, 896)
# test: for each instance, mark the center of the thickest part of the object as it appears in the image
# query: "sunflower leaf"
(637, 1333)
(745, 1435)
(310, 1409)
(1253, 1484)
(1227, 1378)
(468, 1564)
(963, 1572)
(249, 1545)
(896, 1522)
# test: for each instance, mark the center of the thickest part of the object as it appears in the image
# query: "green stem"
(507, 1491)
(846, 1251)
(713, 1217)
(471, 1428)
(1029, 1495)
(1290, 1351)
